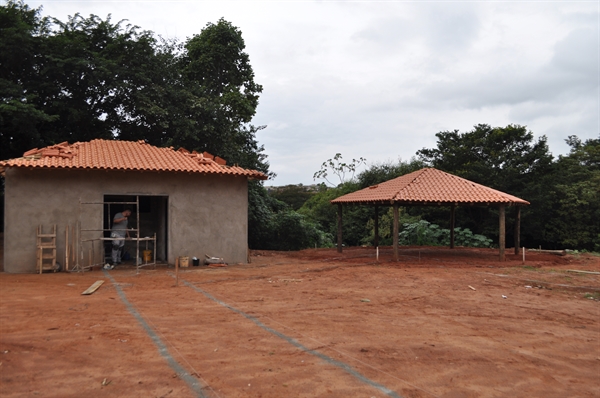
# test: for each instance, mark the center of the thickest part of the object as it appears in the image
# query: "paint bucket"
(195, 261)
(184, 261)
(147, 255)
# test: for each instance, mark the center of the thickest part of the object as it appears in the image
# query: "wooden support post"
(452, 220)
(376, 240)
(72, 252)
(517, 229)
(502, 237)
(39, 251)
(67, 247)
(176, 271)
(339, 231)
(396, 230)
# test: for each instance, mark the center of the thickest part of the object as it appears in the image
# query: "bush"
(423, 233)
(292, 231)
(273, 225)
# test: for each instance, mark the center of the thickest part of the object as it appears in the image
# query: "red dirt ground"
(309, 324)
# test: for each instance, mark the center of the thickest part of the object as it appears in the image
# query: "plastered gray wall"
(207, 214)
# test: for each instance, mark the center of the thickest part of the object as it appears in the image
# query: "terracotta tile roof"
(125, 155)
(429, 186)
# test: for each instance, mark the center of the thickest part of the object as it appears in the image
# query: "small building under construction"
(192, 203)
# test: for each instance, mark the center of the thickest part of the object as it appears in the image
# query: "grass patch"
(592, 296)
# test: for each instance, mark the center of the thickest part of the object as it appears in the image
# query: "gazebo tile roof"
(127, 156)
(429, 186)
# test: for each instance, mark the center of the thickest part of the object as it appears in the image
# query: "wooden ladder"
(46, 250)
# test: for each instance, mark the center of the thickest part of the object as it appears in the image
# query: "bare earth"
(439, 323)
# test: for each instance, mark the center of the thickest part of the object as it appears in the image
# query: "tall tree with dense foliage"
(503, 158)
(89, 78)
(296, 195)
(508, 159)
(22, 33)
(575, 193)
(223, 96)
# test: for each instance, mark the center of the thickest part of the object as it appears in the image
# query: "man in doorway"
(119, 230)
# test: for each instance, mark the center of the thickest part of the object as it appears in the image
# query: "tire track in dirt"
(192, 382)
(245, 361)
(347, 368)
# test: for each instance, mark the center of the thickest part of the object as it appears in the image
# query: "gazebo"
(431, 187)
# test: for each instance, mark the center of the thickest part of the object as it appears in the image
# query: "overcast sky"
(378, 79)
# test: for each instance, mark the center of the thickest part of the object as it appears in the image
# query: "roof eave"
(250, 174)
(426, 203)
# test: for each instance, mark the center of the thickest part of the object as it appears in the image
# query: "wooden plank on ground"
(93, 288)
(584, 272)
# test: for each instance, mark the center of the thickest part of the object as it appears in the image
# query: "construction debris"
(557, 252)
(584, 272)
(93, 288)
(213, 260)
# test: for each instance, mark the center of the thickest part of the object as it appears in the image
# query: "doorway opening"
(151, 214)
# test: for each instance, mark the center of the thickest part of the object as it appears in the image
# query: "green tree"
(223, 96)
(80, 79)
(22, 34)
(273, 225)
(385, 171)
(508, 159)
(293, 231)
(294, 195)
(503, 157)
(261, 210)
(97, 79)
(91, 78)
(573, 220)
(319, 209)
(339, 168)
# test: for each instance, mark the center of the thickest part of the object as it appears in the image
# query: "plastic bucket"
(147, 255)
(184, 261)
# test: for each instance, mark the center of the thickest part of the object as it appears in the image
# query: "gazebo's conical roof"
(429, 186)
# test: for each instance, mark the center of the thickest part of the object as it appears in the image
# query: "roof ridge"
(418, 174)
(429, 186)
(473, 183)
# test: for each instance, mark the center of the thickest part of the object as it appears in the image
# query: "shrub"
(423, 233)
(292, 231)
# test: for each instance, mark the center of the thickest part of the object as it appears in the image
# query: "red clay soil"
(315, 323)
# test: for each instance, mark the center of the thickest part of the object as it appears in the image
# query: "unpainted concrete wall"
(207, 214)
